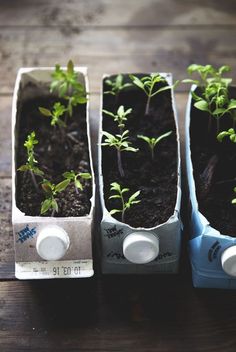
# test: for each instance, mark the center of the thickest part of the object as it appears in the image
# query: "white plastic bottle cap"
(141, 247)
(228, 260)
(52, 242)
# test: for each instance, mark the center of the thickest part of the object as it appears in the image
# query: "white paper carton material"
(48, 247)
(125, 249)
(212, 254)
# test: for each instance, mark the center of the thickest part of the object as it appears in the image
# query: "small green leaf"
(23, 168)
(201, 105)
(114, 211)
(85, 175)
(45, 112)
(78, 184)
(62, 185)
(46, 205)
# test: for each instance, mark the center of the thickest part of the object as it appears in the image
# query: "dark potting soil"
(214, 165)
(56, 153)
(156, 179)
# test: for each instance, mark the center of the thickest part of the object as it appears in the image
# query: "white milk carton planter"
(212, 254)
(129, 250)
(49, 247)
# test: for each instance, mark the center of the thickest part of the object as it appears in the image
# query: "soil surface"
(214, 165)
(58, 150)
(155, 179)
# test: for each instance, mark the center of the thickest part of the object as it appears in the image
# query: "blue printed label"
(25, 234)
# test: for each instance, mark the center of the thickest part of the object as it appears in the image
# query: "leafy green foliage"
(57, 112)
(31, 164)
(73, 177)
(152, 142)
(214, 96)
(125, 204)
(66, 83)
(51, 190)
(121, 115)
(121, 143)
(116, 85)
(149, 84)
(230, 133)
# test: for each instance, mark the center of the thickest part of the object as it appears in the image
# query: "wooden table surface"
(112, 313)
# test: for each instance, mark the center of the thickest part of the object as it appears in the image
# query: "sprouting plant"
(125, 204)
(231, 133)
(51, 190)
(120, 117)
(56, 114)
(234, 199)
(121, 143)
(214, 96)
(152, 142)
(149, 84)
(208, 74)
(66, 83)
(116, 85)
(73, 177)
(31, 164)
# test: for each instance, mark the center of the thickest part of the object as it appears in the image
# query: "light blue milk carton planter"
(212, 254)
(129, 250)
(49, 247)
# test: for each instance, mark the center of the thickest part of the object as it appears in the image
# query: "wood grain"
(114, 50)
(113, 13)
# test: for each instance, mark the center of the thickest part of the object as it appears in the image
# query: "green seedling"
(119, 194)
(121, 143)
(152, 142)
(68, 87)
(149, 84)
(116, 85)
(73, 177)
(230, 133)
(51, 190)
(208, 74)
(31, 164)
(234, 199)
(56, 114)
(120, 117)
(214, 97)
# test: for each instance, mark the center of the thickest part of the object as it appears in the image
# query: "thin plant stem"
(120, 167)
(76, 190)
(34, 180)
(147, 105)
(53, 213)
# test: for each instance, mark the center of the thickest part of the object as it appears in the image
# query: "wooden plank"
(114, 51)
(76, 14)
(5, 136)
(116, 314)
(6, 236)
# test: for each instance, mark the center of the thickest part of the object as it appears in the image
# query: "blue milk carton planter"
(129, 250)
(48, 247)
(212, 254)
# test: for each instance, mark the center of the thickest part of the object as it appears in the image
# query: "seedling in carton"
(73, 177)
(120, 117)
(68, 87)
(56, 114)
(31, 164)
(149, 84)
(119, 194)
(116, 86)
(214, 97)
(51, 190)
(152, 142)
(121, 143)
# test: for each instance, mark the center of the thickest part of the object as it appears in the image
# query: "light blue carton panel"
(207, 244)
(113, 232)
